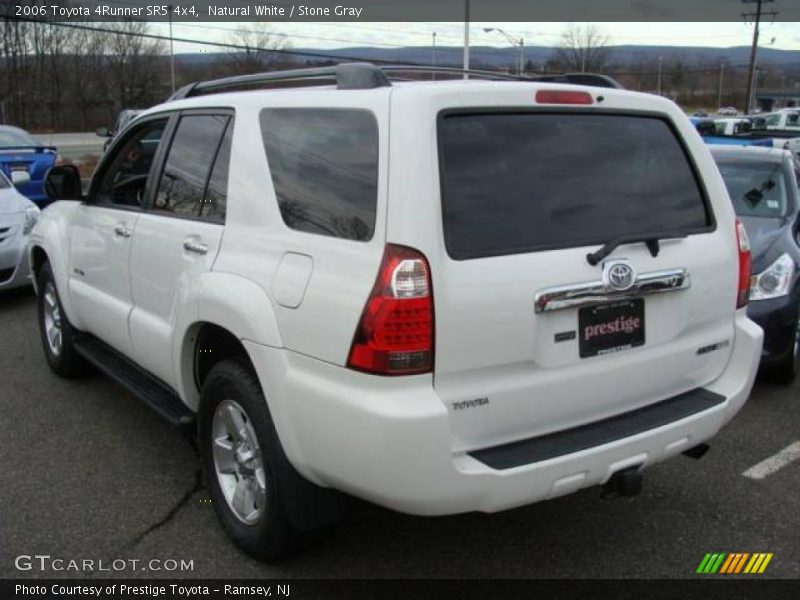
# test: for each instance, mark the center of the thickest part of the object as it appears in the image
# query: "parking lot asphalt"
(90, 473)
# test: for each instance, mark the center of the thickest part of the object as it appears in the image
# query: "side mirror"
(63, 183)
(103, 132)
(19, 178)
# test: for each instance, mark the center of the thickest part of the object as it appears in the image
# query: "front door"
(102, 231)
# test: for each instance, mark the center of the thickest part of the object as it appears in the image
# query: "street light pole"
(434, 55)
(519, 46)
(660, 59)
(466, 38)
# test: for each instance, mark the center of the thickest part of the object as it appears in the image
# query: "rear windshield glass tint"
(516, 183)
(324, 166)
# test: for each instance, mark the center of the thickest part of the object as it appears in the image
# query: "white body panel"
(99, 283)
(163, 280)
(294, 300)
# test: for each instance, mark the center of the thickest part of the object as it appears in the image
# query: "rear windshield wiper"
(651, 240)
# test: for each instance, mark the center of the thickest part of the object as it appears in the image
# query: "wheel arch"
(226, 310)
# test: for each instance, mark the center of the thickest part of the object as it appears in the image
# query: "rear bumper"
(387, 440)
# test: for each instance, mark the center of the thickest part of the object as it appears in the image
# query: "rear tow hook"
(626, 483)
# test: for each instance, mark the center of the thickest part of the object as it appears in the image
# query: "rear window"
(324, 166)
(757, 189)
(11, 137)
(522, 182)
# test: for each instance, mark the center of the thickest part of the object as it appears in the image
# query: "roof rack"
(347, 76)
(448, 71)
(592, 79)
(363, 75)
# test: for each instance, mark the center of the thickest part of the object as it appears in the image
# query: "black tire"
(785, 371)
(65, 362)
(272, 536)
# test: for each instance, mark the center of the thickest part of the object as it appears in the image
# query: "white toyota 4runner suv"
(439, 296)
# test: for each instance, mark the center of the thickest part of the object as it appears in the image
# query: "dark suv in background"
(763, 185)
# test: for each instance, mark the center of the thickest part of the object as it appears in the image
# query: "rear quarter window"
(524, 182)
(324, 167)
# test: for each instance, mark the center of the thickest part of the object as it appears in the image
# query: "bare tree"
(583, 49)
(261, 50)
(133, 61)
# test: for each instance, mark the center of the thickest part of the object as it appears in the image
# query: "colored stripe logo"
(734, 563)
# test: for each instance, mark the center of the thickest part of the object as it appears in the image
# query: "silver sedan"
(18, 215)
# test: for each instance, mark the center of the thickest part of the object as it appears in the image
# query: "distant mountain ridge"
(499, 57)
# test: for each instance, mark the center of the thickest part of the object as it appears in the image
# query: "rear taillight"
(395, 333)
(743, 291)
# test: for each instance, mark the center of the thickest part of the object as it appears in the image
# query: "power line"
(316, 55)
(282, 51)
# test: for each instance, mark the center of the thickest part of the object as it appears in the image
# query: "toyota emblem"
(618, 276)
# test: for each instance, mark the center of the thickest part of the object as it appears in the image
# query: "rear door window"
(324, 167)
(523, 182)
(182, 188)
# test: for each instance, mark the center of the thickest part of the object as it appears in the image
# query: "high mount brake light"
(743, 243)
(563, 97)
(396, 331)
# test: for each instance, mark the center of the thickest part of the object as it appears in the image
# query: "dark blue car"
(19, 151)
(763, 186)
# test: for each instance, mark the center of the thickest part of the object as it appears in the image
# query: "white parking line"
(775, 462)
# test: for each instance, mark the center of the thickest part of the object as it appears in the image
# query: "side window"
(123, 182)
(324, 167)
(215, 199)
(188, 165)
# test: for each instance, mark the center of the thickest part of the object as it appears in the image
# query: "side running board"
(150, 390)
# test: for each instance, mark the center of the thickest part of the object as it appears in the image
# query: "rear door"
(531, 336)
(178, 236)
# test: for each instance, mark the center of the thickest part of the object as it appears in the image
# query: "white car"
(439, 296)
(785, 118)
(18, 215)
(732, 126)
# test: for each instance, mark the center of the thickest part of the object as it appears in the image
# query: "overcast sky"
(786, 36)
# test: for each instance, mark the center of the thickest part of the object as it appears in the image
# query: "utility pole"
(719, 93)
(756, 16)
(755, 85)
(466, 38)
(521, 57)
(171, 51)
